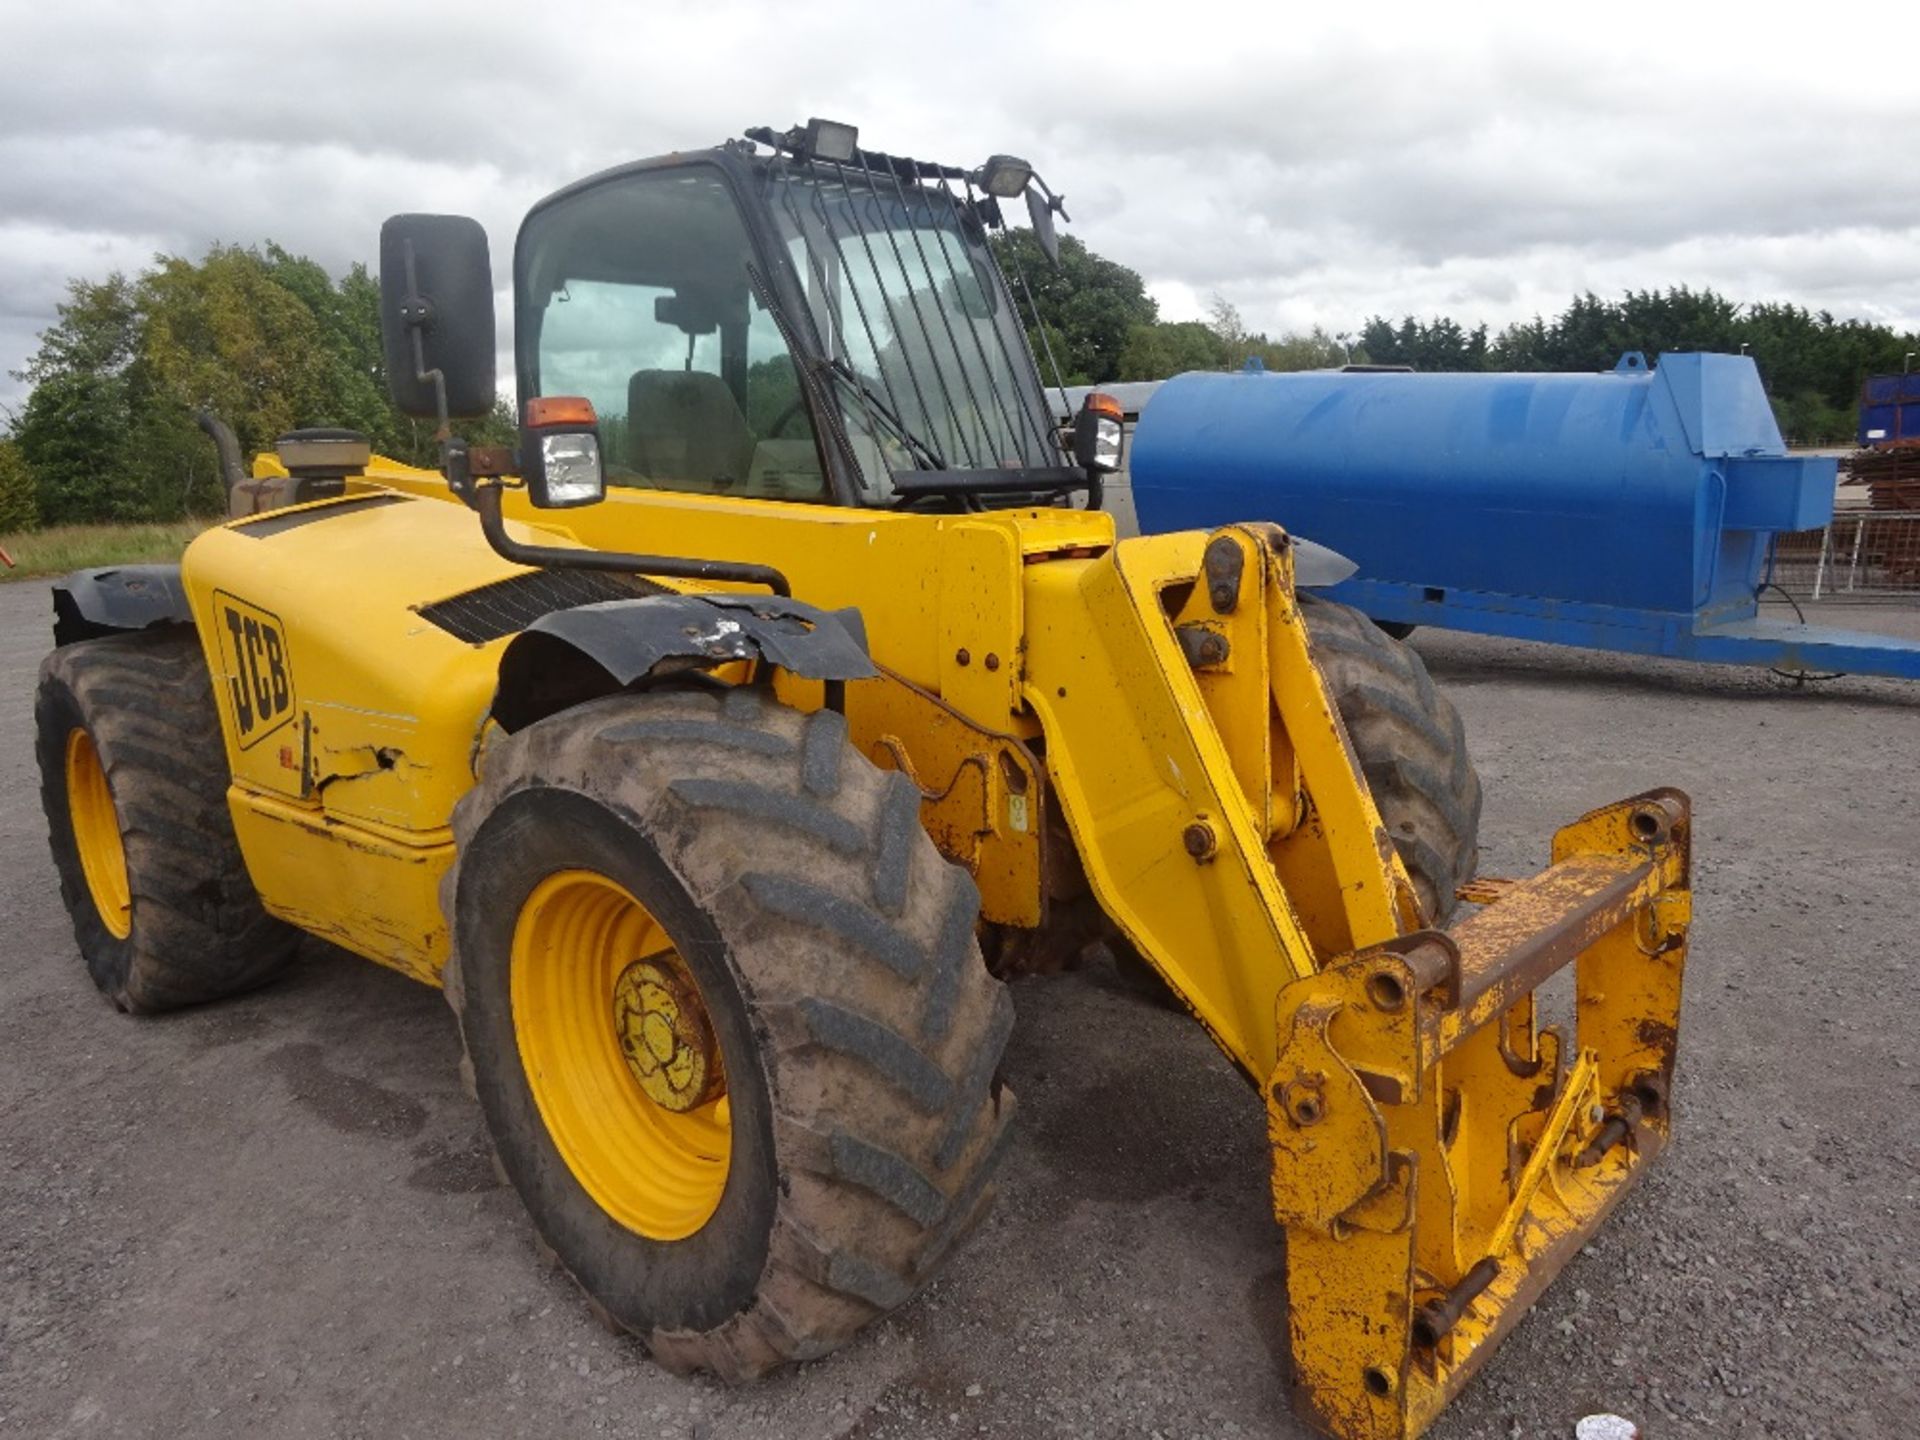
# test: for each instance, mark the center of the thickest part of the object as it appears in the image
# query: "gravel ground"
(275, 1217)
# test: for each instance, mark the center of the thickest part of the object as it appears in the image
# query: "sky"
(1313, 165)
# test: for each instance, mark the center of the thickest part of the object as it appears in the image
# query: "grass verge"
(61, 548)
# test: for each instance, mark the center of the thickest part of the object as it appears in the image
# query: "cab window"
(636, 296)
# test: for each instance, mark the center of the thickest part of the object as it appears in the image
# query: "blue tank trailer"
(1627, 510)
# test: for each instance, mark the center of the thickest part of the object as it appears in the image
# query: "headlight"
(560, 452)
(571, 464)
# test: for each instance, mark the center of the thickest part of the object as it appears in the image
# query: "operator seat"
(684, 428)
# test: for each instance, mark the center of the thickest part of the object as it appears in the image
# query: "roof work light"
(829, 140)
(1004, 176)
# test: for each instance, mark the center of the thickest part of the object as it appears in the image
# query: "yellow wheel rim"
(96, 835)
(620, 1055)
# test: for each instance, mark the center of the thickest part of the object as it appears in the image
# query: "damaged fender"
(574, 655)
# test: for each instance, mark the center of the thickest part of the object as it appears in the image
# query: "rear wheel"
(1412, 748)
(727, 1019)
(133, 779)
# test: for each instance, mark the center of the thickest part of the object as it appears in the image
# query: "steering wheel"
(798, 406)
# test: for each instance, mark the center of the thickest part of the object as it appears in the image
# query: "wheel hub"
(666, 1036)
(96, 835)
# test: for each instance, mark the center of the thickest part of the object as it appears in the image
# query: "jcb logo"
(259, 678)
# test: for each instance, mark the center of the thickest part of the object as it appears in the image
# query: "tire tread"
(199, 930)
(1412, 747)
(799, 846)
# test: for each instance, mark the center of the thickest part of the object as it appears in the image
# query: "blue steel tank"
(1640, 498)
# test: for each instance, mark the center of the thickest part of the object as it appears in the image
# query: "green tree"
(348, 315)
(19, 509)
(1170, 347)
(1316, 350)
(74, 432)
(227, 335)
(1807, 418)
(1523, 346)
(1439, 344)
(1088, 304)
(75, 435)
(1812, 364)
(263, 338)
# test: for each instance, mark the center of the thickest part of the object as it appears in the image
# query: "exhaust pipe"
(232, 469)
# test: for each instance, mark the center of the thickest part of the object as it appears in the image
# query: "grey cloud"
(1312, 165)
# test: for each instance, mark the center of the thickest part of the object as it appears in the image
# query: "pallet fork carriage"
(1438, 1159)
(725, 888)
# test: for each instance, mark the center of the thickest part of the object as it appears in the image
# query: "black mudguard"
(90, 603)
(574, 655)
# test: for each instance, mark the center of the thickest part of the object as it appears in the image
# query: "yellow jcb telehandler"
(792, 695)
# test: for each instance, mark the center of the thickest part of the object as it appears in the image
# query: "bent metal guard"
(1437, 1157)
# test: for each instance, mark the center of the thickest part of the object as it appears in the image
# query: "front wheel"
(1411, 745)
(727, 1020)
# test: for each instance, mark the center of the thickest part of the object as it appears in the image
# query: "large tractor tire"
(727, 1019)
(1412, 748)
(133, 778)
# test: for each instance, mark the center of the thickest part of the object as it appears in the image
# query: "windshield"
(929, 361)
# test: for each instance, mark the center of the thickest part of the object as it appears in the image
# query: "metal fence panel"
(1862, 555)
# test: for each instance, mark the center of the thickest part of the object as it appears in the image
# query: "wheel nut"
(663, 1029)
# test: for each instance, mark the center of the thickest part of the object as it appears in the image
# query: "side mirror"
(1040, 216)
(436, 315)
(560, 453)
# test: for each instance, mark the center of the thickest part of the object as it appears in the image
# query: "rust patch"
(1657, 1035)
(1484, 889)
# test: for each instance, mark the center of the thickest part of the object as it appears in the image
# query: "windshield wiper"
(838, 369)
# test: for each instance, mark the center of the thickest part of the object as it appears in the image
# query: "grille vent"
(507, 607)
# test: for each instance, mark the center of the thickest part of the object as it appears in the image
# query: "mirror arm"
(457, 466)
(453, 452)
(486, 500)
(1055, 203)
(418, 315)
